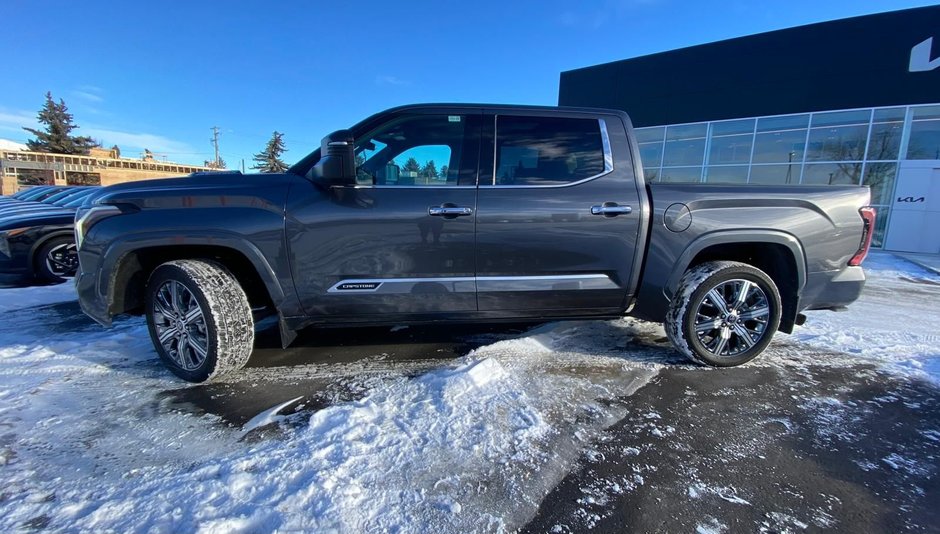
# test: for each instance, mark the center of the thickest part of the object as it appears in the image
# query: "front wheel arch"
(130, 275)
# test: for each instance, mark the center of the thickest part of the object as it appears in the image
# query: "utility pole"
(215, 143)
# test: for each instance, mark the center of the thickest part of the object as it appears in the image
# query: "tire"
(56, 260)
(708, 323)
(218, 336)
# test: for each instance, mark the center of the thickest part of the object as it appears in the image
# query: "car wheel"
(56, 260)
(199, 319)
(724, 313)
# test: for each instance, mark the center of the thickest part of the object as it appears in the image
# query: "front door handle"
(610, 209)
(449, 211)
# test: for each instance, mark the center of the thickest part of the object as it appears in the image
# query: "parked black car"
(37, 239)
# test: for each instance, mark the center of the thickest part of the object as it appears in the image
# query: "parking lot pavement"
(761, 449)
(560, 427)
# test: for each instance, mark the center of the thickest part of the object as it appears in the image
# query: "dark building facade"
(848, 101)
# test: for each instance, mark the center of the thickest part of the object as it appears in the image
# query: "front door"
(558, 216)
(402, 240)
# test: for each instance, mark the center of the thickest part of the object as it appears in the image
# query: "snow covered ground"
(89, 440)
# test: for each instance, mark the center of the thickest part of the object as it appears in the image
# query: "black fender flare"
(724, 237)
(119, 250)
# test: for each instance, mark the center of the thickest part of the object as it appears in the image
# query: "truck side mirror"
(337, 165)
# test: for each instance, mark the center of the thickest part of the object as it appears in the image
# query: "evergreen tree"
(269, 159)
(212, 165)
(56, 137)
(429, 170)
(411, 165)
(443, 173)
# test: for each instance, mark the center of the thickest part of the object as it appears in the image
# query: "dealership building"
(853, 101)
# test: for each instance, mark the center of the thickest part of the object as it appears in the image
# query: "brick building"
(20, 169)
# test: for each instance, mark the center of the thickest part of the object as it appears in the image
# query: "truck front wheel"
(724, 313)
(199, 319)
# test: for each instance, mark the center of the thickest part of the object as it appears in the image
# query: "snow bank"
(90, 443)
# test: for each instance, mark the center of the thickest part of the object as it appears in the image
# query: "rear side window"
(547, 150)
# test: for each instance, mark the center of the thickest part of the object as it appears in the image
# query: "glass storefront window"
(733, 127)
(730, 149)
(775, 174)
(726, 174)
(841, 118)
(926, 112)
(884, 142)
(686, 131)
(832, 173)
(881, 221)
(925, 140)
(780, 147)
(820, 148)
(651, 154)
(888, 115)
(880, 178)
(837, 144)
(684, 152)
(682, 174)
(648, 135)
(788, 122)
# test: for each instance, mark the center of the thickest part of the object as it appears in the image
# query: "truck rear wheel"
(724, 313)
(199, 319)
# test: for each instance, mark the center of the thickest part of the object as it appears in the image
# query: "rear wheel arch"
(776, 253)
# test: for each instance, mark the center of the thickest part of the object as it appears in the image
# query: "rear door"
(558, 216)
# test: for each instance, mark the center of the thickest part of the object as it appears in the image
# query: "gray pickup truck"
(458, 213)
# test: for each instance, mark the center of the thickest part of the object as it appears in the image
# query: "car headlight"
(85, 218)
(6, 235)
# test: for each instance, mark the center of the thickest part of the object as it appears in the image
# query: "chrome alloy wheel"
(180, 325)
(732, 317)
(62, 261)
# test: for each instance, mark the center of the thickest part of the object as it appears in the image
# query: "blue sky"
(158, 75)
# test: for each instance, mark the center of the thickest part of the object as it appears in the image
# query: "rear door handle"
(449, 211)
(610, 209)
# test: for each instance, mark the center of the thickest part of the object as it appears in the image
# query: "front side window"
(417, 150)
(547, 150)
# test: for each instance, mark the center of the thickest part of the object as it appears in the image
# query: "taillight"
(868, 219)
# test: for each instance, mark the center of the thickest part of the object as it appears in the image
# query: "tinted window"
(775, 174)
(779, 147)
(925, 140)
(681, 174)
(884, 142)
(547, 150)
(731, 149)
(837, 144)
(423, 150)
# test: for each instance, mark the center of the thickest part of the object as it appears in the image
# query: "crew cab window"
(417, 150)
(547, 150)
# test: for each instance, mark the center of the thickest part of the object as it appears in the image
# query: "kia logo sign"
(911, 199)
(921, 60)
